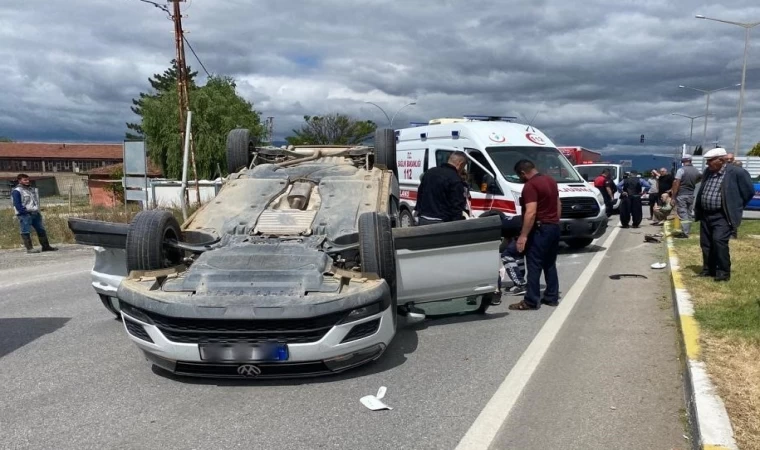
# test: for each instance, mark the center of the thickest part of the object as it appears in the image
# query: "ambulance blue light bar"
(418, 124)
(455, 134)
(490, 118)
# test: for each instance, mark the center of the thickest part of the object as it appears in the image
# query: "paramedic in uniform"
(540, 234)
(441, 196)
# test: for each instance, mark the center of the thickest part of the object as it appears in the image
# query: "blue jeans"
(541, 256)
(29, 221)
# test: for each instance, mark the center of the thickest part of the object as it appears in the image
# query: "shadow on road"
(565, 250)
(16, 333)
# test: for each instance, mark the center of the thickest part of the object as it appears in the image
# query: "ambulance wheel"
(240, 145)
(405, 218)
(146, 236)
(376, 250)
(579, 243)
(385, 149)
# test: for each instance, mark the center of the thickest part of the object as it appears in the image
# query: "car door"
(420, 249)
(450, 260)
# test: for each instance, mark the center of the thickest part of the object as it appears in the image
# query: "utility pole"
(184, 101)
(270, 130)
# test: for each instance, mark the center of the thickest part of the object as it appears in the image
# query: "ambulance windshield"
(548, 160)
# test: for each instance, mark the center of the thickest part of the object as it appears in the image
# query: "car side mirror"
(488, 185)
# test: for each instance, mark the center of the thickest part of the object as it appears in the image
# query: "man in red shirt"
(540, 234)
(602, 182)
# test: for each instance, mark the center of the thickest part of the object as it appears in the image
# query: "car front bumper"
(330, 354)
(589, 228)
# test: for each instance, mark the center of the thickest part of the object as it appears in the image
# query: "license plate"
(240, 352)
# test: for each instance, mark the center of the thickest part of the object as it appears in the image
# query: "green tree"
(755, 150)
(160, 83)
(216, 108)
(334, 128)
(5, 139)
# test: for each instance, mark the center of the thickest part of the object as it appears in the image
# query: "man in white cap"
(683, 189)
(725, 192)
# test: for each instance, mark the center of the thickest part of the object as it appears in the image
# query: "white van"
(493, 146)
(591, 171)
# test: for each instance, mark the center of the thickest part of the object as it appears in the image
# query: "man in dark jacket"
(630, 205)
(441, 195)
(724, 193)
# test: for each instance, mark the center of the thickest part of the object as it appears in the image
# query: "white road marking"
(483, 431)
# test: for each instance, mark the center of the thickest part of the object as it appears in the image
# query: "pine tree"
(159, 83)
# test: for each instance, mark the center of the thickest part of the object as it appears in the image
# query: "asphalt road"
(69, 377)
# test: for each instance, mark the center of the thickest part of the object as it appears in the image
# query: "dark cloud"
(597, 73)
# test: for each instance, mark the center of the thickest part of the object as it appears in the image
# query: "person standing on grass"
(686, 181)
(725, 192)
(26, 203)
(539, 237)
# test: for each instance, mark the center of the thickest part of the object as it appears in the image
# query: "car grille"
(279, 370)
(137, 330)
(362, 330)
(579, 208)
(201, 331)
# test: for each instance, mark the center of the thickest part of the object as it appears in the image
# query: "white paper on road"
(373, 401)
(660, 265)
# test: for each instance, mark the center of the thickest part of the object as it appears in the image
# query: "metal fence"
(750, 163)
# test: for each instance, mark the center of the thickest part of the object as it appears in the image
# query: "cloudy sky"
(597, 73)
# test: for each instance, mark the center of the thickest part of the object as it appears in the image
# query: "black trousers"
(541, 256)
(715, 233)
(630, 206)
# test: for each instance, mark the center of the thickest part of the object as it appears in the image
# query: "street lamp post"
(747, 27)
(691, 130)
(391, 119)
(707, 105)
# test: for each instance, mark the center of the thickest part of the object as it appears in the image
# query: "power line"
(196, 55)
(159, 6)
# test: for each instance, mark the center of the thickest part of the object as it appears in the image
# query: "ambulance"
(493, 145)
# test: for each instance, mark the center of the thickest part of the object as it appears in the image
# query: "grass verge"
(729, 317)
(56, 222)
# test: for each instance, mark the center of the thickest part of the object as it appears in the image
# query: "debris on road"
(659, 265)
(373, 401)
(618, 276)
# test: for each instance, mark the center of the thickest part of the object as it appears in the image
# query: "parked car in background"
(754, 204)
(591, 171)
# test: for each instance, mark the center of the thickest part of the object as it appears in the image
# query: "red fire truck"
(580, 155)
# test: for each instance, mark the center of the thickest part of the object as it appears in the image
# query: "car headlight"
(363, 312)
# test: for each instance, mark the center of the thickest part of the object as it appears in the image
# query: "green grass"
(732, 308)
(56, 221)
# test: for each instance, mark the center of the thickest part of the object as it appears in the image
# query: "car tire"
(145, 241)
(376, 250)
(579, 243)
(405, 219)
(385, 149)
(107, 303)
(485, 303)
(240, 145)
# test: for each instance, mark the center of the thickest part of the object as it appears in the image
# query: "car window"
(548, 160)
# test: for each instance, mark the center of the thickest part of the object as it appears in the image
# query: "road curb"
(710, 425)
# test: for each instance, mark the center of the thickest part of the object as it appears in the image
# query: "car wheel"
(405, 218)
(376, 250)
(579, 243)
(240, 144)
(146, 248)
(385, 149)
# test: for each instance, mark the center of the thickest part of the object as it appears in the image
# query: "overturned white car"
(295, 268)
